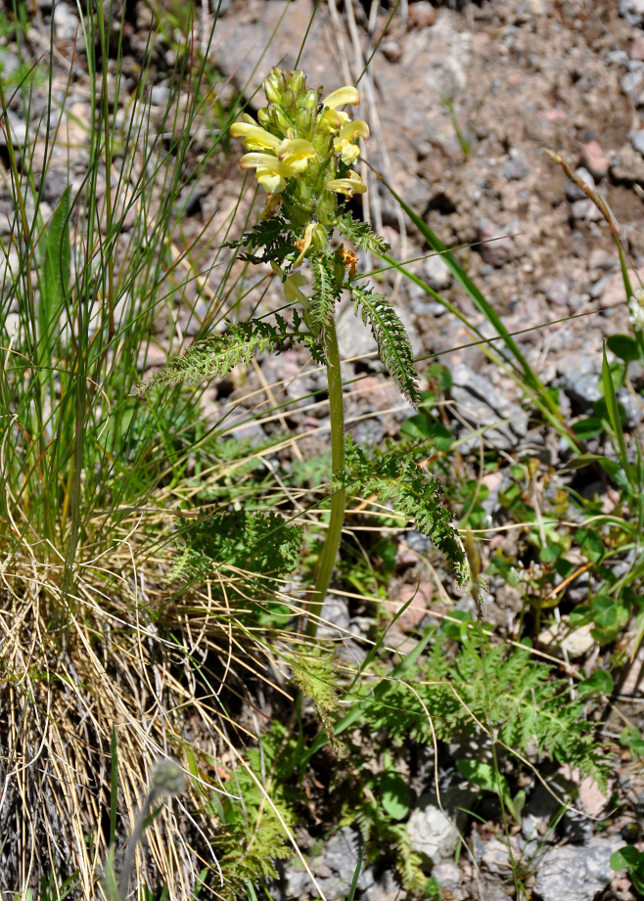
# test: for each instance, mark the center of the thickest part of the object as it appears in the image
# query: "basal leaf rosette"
(302, 147)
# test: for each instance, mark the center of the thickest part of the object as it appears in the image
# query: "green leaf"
(57, 262)
(421, 428)
(587, 428)
(590, 544)
(624, 347)
(394, 794)
(486, 777)
(600, 682)
(391, 337)
(632, 739)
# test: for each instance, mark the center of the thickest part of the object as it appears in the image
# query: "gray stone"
(334, 618)
(431, 833)
(637, 140)
(66, 23)
(481, 404)
(516, 168)
(575, 873)
(583, 389)
(631, 81)
(632, 407)
(585, 210)
(436, 273)
(632, 11)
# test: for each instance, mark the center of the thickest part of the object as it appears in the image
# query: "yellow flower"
(296, 153)
(255, 137)
(343, 145)
(349, 185)
(271, 172)
(347, 94)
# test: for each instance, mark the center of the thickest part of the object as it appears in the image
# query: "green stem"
(329, 553)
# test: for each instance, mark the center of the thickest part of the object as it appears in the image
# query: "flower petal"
(296, 153)
(347, 94)
(255, 137)
(350, 185)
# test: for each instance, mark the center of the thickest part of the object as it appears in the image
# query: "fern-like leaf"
(217, 355)
(391, 336)
(361, 234)
(412, 490)
(325, 293)
(273, 235)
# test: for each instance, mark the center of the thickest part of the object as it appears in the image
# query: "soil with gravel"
(462, 103)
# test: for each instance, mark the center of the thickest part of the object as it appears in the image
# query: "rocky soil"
(462, 99)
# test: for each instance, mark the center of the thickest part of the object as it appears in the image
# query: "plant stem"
(329, 553)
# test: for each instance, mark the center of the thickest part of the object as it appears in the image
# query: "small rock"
(637, 49)
(627, 165)
(436, 273)
(632, 11)
(494, 245)
(334, 618)
(450, 878)
(585, 210)
(575, 644)
(575, 873)
(481, 404)
(431, 834)
(594, 159)
(583, 390)
(496, 858)
(354, 338)
(65, 22)
(637, 140)
(556, 290)
(516, 168)
(419, 598)
(421, 15)
(631, 80)
(632, 405)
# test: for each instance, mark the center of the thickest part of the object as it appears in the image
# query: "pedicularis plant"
(302, 148)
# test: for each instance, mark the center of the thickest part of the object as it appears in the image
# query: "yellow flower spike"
(343, 145)
(271, 173)
(349, 185)
(296, 153)
(347, 94)
(254, 136)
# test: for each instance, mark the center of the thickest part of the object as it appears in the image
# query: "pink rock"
(594, 159)
(637, 48)
(420, 596)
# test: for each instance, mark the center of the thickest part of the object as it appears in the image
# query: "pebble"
(516, 168)
(637, 140)
(495, 245)
(576, 873)
(585, 210)
(632, 79)
(594, 159)
(66, 23)
(627, 165)
(482, 405)
(431, 833)
(632, 11)
(637, 49)
(436, 273)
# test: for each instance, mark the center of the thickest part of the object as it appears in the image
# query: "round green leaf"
(394, 794)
